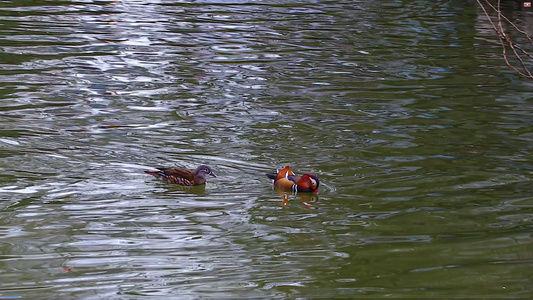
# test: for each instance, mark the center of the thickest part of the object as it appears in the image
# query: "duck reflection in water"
(307, 199)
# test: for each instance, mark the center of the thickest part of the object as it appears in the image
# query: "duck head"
(308, 183)
(204, 170)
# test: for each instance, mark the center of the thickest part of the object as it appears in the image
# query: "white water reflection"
(420, 142)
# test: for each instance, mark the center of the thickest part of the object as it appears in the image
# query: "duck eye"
(313, 182)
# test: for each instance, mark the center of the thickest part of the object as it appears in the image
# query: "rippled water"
(420, 134)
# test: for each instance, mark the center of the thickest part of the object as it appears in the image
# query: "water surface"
(420, 134)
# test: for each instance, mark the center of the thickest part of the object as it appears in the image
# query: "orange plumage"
(285, 179)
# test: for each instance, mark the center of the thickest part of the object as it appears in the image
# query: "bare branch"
(506, 40)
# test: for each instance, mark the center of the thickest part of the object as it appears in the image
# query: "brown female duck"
(184, 176)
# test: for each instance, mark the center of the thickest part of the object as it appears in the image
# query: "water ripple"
(421, 144)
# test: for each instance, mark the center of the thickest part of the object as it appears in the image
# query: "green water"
(420, 134)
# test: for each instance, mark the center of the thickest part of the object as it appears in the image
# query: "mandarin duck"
(183, 176)
(287, 180)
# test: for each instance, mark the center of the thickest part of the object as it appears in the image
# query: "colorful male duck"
(183, 176)
(287, 180)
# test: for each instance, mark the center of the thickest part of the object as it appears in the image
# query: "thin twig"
(505, 40)
(508, 21)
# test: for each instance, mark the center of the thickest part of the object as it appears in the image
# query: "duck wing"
(175, 175)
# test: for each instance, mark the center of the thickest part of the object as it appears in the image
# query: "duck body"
(184, 177)
(285, 179)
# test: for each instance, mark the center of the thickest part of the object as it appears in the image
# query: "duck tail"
(271, 176)
(158, 174)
